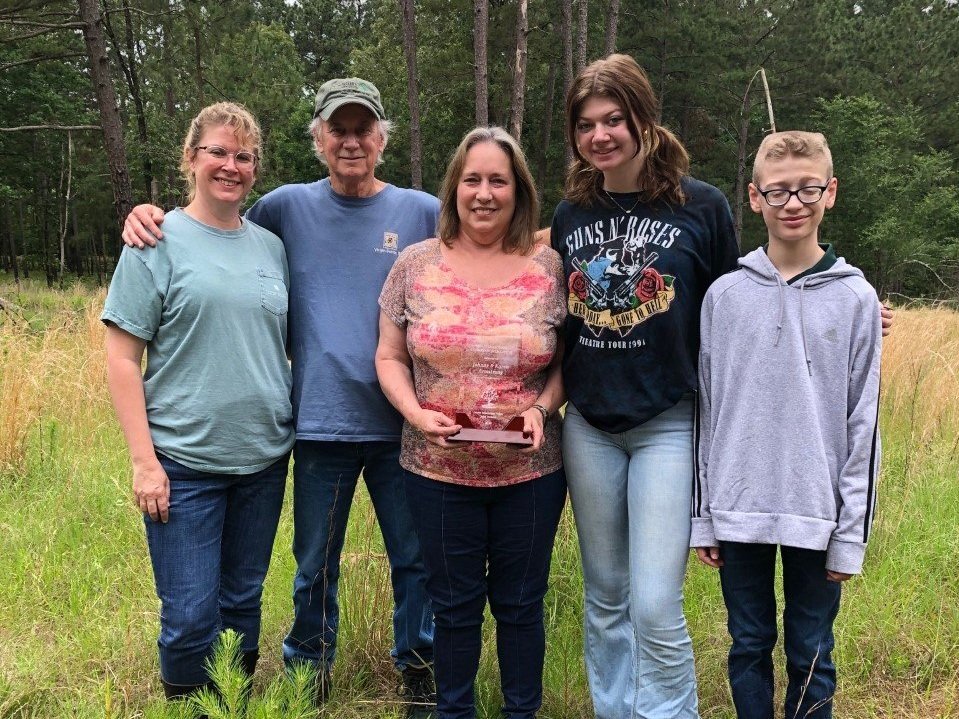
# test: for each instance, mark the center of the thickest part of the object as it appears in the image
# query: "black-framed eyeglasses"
(808, 195)
(240, 157)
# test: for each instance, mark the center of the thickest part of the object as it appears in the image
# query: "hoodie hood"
(759, 268)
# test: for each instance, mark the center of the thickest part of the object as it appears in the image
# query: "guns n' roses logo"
(618, 289)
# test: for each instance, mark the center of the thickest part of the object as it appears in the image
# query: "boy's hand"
(837, 576)
(886, 314)
(709, 556)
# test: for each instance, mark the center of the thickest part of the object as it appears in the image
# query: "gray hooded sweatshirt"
(788, 439)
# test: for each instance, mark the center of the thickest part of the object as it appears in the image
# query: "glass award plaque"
(488, 398)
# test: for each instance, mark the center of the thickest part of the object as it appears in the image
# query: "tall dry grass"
(51, 367)
(78, 616)
(920, 375)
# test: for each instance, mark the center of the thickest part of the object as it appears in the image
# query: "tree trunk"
(12, 246)
(661, 90)
(566, 28)
(77, 246)
(197, 55)
(741, 169)
(23, 237)
(103, 251)
(480, 31)
(128, 66)
(133, 80)
(742, 155)
(67, 171)
(169, 101)
(110, 119)
(547, 126)
(612, 26)
(412, 92)
(519, 72)
(43, 220)
(582, 34)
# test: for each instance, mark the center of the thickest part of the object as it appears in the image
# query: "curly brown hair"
(620, 79)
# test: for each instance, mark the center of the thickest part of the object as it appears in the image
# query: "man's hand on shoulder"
(886, 314)
(142, 226)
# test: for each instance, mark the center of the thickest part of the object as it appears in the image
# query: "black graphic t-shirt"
(636, 282)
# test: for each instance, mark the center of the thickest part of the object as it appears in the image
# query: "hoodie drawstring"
(802, 326)
(782, 303)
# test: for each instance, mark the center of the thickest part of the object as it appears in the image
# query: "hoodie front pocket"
(273, 293)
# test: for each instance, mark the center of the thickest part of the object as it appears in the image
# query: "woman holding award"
(469, 326)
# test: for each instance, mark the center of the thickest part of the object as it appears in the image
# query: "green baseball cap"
(333, 94)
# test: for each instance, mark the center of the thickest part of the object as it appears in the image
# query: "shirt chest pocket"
(273, 293)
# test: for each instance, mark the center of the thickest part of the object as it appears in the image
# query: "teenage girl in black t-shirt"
(641, 242)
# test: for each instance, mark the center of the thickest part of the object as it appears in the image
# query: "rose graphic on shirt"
(577, 284)
(614, 286)
(649, 285)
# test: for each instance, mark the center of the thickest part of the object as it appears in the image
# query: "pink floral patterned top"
(483, 352)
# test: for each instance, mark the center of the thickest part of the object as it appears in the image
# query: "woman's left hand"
(533, 426)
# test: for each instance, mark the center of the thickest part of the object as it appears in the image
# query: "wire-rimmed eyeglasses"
(241, 157)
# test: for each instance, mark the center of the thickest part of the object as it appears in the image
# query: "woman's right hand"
(151, 490)
(435, 426)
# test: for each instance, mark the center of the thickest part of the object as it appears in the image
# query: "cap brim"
(327, 112)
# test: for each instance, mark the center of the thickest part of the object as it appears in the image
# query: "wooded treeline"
(880, 78)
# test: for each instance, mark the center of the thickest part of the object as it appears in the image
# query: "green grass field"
(78, 615)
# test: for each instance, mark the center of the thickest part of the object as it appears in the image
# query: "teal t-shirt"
(212, 307)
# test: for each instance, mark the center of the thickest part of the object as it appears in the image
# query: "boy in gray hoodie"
(788, 432)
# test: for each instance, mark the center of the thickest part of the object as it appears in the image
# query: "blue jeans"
(210, 560)
(324, 480)
(491, 543)
(631, 493)
(812, 603)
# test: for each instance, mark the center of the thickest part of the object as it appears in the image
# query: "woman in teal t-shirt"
(209, 425)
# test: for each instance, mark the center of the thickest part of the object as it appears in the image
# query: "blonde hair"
(221, 114)
(520, 235)
(792, 143)
(665, 161)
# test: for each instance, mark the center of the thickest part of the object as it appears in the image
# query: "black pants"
(489, 543)
(812, 603)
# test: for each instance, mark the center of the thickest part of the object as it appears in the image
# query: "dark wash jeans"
(324, 480)
(811, 606)
(210, 560)
(490, 543)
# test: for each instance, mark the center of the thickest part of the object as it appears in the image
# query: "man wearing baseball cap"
(342, 234)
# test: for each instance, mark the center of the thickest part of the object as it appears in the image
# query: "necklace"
(613, 200)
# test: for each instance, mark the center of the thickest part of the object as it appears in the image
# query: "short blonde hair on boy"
(792, 143)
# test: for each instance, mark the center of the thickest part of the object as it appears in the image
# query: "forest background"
(879, 78)
(78, 612)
